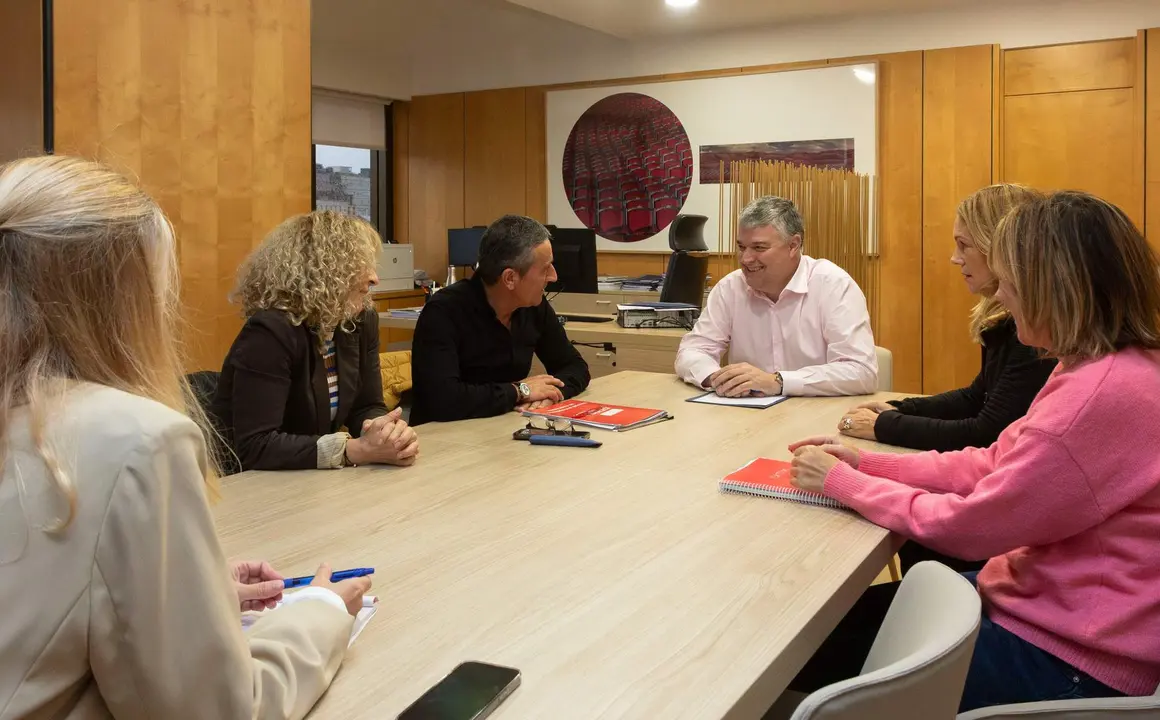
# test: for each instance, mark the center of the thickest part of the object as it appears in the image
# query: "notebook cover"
(771, 478)
(600, 414)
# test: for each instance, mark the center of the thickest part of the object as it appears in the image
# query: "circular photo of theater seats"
(628, 167)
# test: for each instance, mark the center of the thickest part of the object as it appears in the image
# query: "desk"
(606, 347)
(388, 299)
(618, 580)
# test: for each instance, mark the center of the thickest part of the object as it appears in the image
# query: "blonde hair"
(88, 293)
(308, 267)
(1082, 272)
(980, 214)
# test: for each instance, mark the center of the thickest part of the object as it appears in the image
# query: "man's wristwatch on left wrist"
(523, 392)
(780, 383)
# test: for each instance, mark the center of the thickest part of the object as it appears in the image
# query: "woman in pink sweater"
(1066, 503)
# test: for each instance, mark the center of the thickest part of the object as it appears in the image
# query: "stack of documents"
(406, 313)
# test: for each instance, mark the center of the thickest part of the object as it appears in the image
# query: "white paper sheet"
(711, 398)
(370, 607)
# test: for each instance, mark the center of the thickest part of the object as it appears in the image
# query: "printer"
(396, 267)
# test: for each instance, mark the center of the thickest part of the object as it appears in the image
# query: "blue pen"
(305, 580)
(565, 440)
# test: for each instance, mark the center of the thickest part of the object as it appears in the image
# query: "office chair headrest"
(687, 233)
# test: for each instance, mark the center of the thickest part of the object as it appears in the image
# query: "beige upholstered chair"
(1109, 709)
(885, 369)
(918, 664)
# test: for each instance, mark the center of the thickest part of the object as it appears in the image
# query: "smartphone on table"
(472, 691)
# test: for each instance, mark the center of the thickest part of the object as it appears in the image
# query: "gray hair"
(776, 212)
(509, 242)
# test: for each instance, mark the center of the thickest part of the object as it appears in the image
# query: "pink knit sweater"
(1066, 504)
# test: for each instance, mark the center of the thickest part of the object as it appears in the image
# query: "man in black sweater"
(473, 344)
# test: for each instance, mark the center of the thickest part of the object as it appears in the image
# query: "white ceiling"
(632, 19)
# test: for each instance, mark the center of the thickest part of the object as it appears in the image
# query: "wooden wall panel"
(900, 223)
(536, 154)
(21, 80)
(495, 150)
(207, 103)
(1152, 217)
(436, 171)
(957, 96)
(631, 264)
(1074, 141)
(1064, 68)
(400, 158)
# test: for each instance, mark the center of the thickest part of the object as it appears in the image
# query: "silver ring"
(846, 424)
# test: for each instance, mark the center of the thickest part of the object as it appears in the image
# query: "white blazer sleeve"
(165, 635)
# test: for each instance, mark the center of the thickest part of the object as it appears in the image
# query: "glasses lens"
(539, 423)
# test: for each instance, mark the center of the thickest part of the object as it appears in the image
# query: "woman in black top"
(301, 387)
(1012, 373)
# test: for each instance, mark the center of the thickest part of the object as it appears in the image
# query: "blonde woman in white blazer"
(115, 598)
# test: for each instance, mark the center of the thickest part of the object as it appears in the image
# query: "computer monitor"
(574, 253)
(685, 278)
(463, 246)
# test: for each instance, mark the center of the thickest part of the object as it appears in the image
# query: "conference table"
(618, 580)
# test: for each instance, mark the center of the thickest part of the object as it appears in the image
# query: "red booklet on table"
(600, 415)
(770, 478)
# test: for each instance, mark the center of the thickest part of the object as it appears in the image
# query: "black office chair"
(203, 384)
(689, 263)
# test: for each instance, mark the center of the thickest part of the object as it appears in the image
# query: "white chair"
(885, 369)
(918, 664)
(1098, 709)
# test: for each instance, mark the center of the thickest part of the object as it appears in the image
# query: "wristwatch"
(780, 383)
(523, 392)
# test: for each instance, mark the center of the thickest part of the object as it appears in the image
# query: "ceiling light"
(866, 75)
(680, 3)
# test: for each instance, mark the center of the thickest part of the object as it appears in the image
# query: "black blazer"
(272, 402)
(974, 416)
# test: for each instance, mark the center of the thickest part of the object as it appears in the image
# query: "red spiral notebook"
(600, 415)
(770, 478)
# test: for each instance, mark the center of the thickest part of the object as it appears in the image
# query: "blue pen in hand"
(305, 580)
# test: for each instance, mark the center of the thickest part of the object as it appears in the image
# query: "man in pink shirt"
(792, 325)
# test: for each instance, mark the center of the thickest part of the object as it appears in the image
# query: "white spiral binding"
(801, 496)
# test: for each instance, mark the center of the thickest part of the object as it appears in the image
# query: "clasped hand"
(545, 391)
(387, 439)
(859, 420)
(815, 457)
(742, 379)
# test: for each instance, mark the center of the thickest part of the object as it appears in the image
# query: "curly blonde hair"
(309, 267)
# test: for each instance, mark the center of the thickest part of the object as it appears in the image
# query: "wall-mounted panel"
(21, 80)
(1065, 68)
(536, 153)
(1074, 141)
(436, 171)
(207, 103)
(957, 117)
(495, 155)
(1153, 138)
(900, 225)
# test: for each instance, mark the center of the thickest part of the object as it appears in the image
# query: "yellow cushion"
(396, 370)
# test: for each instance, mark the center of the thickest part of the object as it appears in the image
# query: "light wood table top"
(618, 580)
(584, 332)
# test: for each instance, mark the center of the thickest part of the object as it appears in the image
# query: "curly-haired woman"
(306, 364)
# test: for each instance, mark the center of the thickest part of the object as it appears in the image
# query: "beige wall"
(399, 48)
